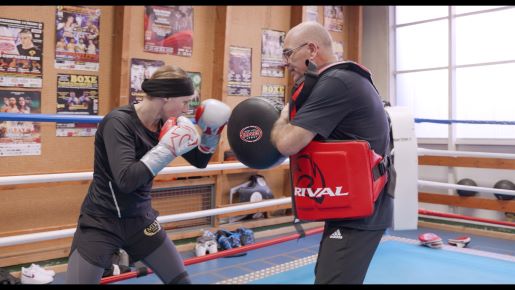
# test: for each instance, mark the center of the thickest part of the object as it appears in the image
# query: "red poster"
(169, 30)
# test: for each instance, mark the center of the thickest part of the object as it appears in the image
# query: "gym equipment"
(430, 240)
(468, 182)
(248, 132)
(459, 242)
(504, 184)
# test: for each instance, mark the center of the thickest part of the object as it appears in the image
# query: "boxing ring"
(396, 253)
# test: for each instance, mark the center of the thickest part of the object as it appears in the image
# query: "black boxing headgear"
(168, 88)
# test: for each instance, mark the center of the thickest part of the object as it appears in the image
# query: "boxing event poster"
(168, 30)
(20, 138)
(21, 57)
(240, 71)
(338, 49)
(274, 93)
(272, 43)
(77, 38)
(195, 102)
(76, 95)
(333, 18)
(141, 69)
(311, 13)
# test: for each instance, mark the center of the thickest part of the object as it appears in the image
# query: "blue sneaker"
(235, 240)
(247, 236)
(223, 240)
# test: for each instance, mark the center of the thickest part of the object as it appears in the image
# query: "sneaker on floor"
(124, 259)
(212, 246)
(200, 248)
(247, 236)
(32, 276)
(208, 235)
(43, 270)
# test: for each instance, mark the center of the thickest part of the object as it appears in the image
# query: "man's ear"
(313, 49)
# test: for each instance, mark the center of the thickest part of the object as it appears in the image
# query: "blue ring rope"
(58, 118)
(65, 118)
(438, 121)
(50, 118)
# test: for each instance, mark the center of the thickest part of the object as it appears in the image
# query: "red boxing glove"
(178, 136)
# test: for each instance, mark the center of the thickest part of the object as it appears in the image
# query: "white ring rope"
(76, 176)
(443, 185)
(434, 152)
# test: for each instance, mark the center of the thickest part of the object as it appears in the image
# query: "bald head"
(311, 31)
(308, 41)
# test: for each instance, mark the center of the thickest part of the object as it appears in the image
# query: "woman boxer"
(132, 144)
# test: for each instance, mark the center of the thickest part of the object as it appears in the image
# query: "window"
(456, 63)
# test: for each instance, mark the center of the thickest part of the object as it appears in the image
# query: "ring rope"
(477, 122)
(443, 185)
(66, 118)
(77, 176)
(450, 153)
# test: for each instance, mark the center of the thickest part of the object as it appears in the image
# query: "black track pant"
(345, 254)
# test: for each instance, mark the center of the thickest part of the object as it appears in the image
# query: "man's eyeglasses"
(287, 53)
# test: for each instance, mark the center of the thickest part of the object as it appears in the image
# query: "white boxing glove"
(211, 116)
(178, 136)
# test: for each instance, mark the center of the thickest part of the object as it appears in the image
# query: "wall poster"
(240, 71)
(20, 138)
(333, 18)
(195, 102)
(141, 69)
(272, 64)
(21, 56)
(168, 30)
(77, 38)
(77, 95)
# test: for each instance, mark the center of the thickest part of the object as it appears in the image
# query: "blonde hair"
(169, 72)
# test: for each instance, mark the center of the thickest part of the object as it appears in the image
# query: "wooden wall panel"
(60, 154)
(35, 208)
(353, 32)
(47, 206)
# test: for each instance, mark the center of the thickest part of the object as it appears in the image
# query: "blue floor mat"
(402, 263)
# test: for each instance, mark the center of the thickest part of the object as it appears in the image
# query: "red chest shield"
(335, 180)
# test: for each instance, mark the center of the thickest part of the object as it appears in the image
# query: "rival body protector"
(334, 179)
